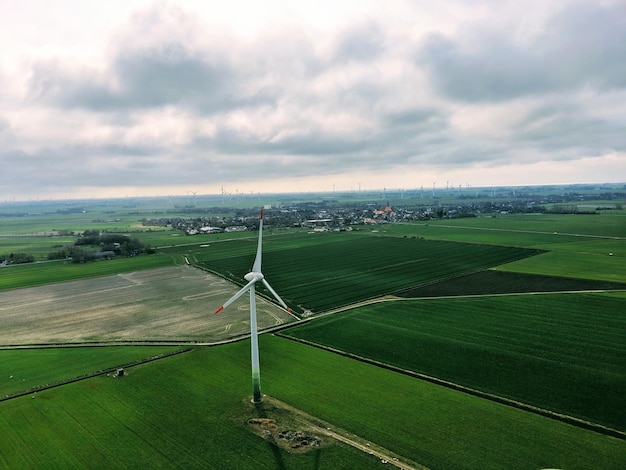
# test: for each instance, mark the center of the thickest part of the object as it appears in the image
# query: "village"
(333, 216)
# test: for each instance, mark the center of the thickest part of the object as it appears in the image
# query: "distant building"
(386, 214)
(236, 228)
(315, 223)
(211, 230)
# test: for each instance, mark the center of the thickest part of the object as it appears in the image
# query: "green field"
(579, 245)
(37, 274)
(565, 353)
(27, 369)
(562, 352)
(355, 268)
(496, 281)
(186, 411)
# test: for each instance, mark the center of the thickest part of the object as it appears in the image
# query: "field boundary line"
(506, 294)
(536, 232)
(89, 375)
(397, 298)
(572, 420)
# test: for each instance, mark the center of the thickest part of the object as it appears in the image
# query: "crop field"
(561, 352)
(582, 246)
(27, 369)
(493, 281)
(37, 274)
(175, 303)
(115, 423)
(609, 225)
(319, 278)
(574, 264)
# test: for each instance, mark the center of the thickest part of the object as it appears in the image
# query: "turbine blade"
(236, 296)
(281, 301)
(256, 267)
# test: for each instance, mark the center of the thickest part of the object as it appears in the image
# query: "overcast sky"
(133, 98)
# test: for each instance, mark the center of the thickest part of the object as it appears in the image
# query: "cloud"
(580, 46)
(172, 96)
(161, 75)
(364, 42)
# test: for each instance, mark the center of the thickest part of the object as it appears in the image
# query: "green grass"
(21, 370)
(573, 264)
(185, 412)
(497, 281)
(565, 353)
(607, 224)
(37, 274)
(355, 268)
(38, 247)
(578, 245)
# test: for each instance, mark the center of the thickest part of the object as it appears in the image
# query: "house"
(104, 255)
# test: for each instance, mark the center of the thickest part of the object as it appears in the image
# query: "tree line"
(16, 258)
(91, 245)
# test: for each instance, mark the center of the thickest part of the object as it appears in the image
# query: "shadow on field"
(262, 413)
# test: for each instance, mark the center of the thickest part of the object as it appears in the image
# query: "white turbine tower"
(253, 277)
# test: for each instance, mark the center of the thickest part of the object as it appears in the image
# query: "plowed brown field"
(175, 303)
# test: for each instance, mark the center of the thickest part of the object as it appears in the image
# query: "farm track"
(535, 232)
(324, 428)
(393, 298)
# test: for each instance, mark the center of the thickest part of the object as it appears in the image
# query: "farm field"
(173, 304)
(364, 267)
(565, 353)
(577, 245)
(495, 281)
(25, 369)
(607, 225)
(574, 264)
(38, 274)
(123, 423)
(187, 410)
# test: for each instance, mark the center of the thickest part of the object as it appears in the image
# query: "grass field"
(38, 274)
(116, 423)
(496, 281)
(352, 269)
(578, 245)
(565, 353)
(189, 411)
(183, 412)
(23, 370)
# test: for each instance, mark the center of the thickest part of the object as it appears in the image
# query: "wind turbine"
(253, 277)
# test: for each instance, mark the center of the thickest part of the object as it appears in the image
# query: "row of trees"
(16, 258)
(91, 245)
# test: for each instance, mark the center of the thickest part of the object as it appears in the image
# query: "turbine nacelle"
(254, 276)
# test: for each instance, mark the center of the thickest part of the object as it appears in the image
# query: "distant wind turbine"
(253, 277)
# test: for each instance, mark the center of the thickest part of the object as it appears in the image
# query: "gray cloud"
(165, 74)
(362, 43)
(570, 130)
(174, 102)
(580, 46)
